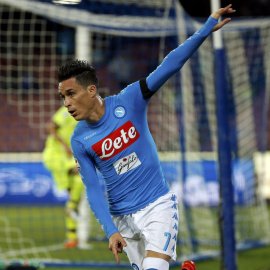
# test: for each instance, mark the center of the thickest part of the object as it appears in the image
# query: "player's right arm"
(96, 199)
(95, 196)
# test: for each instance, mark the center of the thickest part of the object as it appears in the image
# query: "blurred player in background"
(113, 136)
(58, 159)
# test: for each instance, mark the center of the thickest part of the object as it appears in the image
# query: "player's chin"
(76, 117)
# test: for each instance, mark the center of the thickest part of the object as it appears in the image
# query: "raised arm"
(177, 58)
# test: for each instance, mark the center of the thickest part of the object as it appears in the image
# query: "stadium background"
(33, 141)
(23, 119)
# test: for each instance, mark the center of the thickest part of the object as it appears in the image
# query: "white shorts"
(154, 228)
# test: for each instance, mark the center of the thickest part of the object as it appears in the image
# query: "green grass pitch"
(38, 232)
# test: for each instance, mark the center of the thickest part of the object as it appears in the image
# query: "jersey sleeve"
(95, 196)
(139, 93)
(177, 58)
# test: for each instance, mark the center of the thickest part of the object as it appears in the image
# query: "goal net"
(247, 78)
(125, 42)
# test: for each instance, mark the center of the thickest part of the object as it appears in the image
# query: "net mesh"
(247, 74)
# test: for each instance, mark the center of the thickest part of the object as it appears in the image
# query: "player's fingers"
(221, 24)
(225, 21)
(123, 242)
(115, 253)
(224, 10)
(121, 245)
(231, 10)
(119, 249)
(221, 11)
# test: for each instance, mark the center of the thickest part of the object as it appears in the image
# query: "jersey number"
(168, 235)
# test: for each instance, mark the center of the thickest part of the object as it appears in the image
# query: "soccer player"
(58, 159)
(141, 216)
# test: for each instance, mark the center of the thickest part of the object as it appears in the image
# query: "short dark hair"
(81, 70)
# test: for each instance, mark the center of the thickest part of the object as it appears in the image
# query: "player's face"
(78, 101)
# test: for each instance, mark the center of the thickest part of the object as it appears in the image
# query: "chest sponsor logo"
(127, 163)
(116, 142)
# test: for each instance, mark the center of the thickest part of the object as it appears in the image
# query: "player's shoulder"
(128, 94)
(129, 89)
(79, 130)
(81, 125)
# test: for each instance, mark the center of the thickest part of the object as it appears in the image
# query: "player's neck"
(97, 111)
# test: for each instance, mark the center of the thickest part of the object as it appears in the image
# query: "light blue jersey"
(121, 147)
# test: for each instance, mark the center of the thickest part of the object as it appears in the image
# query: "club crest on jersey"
(78, 164)
(119, 112)
(127, 163)
(117, 141)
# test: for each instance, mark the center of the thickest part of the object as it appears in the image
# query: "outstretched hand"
(220, 12)
(116, 244)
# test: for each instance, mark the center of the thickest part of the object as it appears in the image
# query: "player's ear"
(92, 90)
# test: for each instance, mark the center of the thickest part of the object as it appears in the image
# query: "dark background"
(244, 8)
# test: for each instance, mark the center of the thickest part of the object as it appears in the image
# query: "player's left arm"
(175, 60)
(172, 63)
